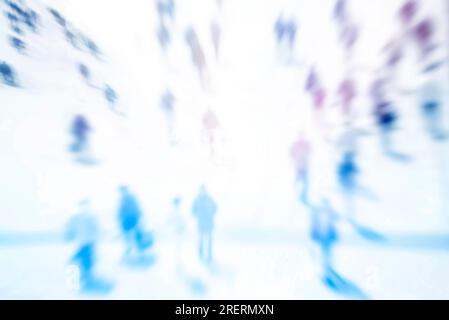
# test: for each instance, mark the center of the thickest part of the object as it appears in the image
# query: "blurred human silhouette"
(32, 20)
(7, 74)
(111, 97)
(315, 87)
(204, 209)
(285, 31)
(347, 92)
(216, 35)
(92, 47)
(137, 241)
(81, 130)
(178, 223)
(167, 104)
(348, 29)
(163, 35)
(300, 154)
(197, 54)
(14, 23)
(17, 44)
(347, 178)
(407, 12)
(85, 72)
(423, 34)
(386, 118)
(324, 232)
(318, 94)
(210, 125)
(58, 17)
(431, 96)
(83, 229)
(166, 8)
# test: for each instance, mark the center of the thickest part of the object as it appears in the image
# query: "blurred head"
(408, 11)
(84, 204)
(123, 189)
(177, 201)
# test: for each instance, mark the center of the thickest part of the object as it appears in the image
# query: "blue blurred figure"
(285, 31)
(83, 229)
(31, 20)
(85, 72)
(7, 74)
(18, 44)
(58, 17)
(204, 209)
(166, 8)
(110, 94)
(431, 105)
(167, 103)
(178, 223)
(14, 23)
(130, 217)
(111, 97)
(347, 174)
(80, 130)
(386, 118)
(324, 232)
(197, 54)
(163, 35)
(300, 154)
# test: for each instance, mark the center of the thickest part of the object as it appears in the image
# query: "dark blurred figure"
(83, 229)
(347, 92)
(167, 104)
(163, 35)
(7, 74)
(92, 47)
(347, 173)
(349, 31)
(110, 94)
(80, 131)
(324, 233)
(315, 88)
(130, 219)
(32, 20)
(18, 44)
(166, 15)
(386, 118)
(300, 154)
(58, 17)
(423, 34)
(407, 12)
(431, 105)
(204, 209)
(197, 53)
(111, 97)
(85, 72)
(166, 8)
(14, 22)
(285, 31)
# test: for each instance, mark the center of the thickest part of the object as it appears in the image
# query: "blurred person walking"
(204, 209)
